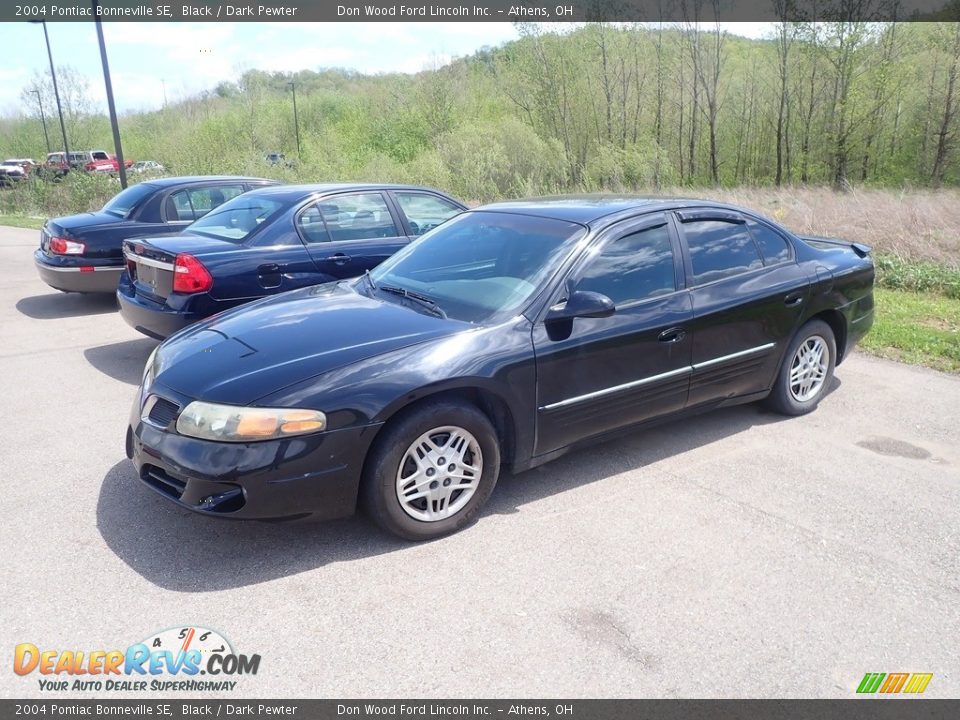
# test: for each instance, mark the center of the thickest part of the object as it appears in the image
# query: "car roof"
(294, 192)
(588, 209)
(170, 181)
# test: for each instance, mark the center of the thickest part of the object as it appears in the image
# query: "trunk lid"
(827, 243)
(151, 262)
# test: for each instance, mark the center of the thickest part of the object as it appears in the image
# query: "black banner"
(855, 709)
(478, 10)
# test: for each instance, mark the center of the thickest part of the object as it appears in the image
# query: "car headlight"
(149, 366)
(230, 423)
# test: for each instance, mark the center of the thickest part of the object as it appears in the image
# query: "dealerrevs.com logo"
(193, 659)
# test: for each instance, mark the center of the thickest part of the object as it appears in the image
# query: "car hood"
(253, 351)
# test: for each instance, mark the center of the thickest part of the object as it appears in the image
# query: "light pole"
(43, 119)
(109, 87)
(296, 122)
(56, 94)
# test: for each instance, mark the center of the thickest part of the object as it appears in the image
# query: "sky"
(183, 59)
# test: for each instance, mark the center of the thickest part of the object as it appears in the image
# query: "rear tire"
(806, 371)
(431, 470)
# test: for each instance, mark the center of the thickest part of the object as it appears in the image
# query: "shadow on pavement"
(178, 550)
(122, 361)
(63, 305)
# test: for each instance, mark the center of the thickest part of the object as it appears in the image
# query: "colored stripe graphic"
(914, 683)
(870, 682)
(894, 682)
(918, 683)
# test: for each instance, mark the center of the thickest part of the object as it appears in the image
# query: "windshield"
(123, 202)
(238, 218)
(481, 266)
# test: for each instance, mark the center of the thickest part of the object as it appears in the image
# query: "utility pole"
(163, 84)
(56, 94)
(43, 119)
(296, 122)
(110, 104)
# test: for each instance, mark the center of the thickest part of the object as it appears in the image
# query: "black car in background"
(508, 336)
(269, 241)
(83, 253)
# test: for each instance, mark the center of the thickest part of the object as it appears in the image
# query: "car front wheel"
(806, 371)
(431, 471)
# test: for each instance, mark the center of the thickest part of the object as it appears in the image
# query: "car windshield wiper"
(422, 300)
(369, 278)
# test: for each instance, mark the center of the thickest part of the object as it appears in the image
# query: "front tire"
(806, 371)
(431, 470)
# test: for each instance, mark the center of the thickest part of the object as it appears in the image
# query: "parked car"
(269, 241)
(15, 170)
(102, 161)
(508, 336)
(84, 253)
(58, 164)
(147, 166)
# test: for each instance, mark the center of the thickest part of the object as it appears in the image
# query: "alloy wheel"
(808, 371)
(439, 473)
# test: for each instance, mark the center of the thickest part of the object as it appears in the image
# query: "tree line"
(602, 107)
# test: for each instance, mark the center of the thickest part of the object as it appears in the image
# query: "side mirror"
(583, 304)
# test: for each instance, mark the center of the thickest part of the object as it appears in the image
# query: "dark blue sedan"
(269, 241)
(83, 253)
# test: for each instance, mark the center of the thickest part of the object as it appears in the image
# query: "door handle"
(672, 335)
(339, 259)
(793, 299)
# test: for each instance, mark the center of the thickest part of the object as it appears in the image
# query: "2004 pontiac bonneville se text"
(503, 338)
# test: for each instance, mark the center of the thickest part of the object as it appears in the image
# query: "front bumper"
(77, 278)
(312, 475)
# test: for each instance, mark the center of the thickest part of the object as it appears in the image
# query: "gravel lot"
(738, 554)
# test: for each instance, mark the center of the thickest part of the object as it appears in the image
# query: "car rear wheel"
(806, 371)
(431, 470)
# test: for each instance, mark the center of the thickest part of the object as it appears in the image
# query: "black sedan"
(83, 253)
(504, 338)
(269, 241)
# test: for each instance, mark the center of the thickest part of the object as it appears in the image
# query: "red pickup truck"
(102, 161)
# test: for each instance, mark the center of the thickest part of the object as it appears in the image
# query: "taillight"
(189, 275)
(62, 246)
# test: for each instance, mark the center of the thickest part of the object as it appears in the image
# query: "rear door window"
(719, 249)
(359, 216)
(193, 203)
(773, 246)
(424, 211)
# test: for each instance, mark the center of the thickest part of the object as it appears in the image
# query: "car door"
(349, 233)
(423, 211)
(598, 374)
(745, 311)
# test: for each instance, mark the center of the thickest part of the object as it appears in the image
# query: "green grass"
(916, 327)
(921, 276)
(22, 221)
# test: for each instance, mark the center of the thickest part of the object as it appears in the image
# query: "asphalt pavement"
(737, 554)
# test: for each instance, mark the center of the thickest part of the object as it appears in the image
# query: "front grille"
(163, 412)
(165, 483)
